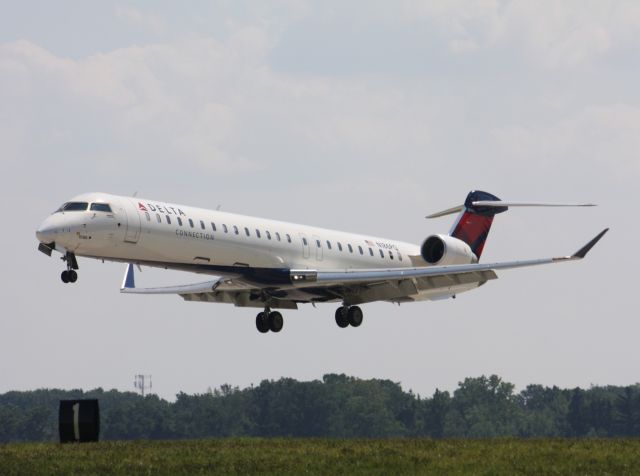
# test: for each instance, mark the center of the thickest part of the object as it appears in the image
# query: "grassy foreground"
(320, 456)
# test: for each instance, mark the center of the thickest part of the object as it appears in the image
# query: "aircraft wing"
(221, 289)
(392, 284)
(128, 286)
(355, 285)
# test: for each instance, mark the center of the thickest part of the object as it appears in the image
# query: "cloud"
(200, 102)
(136, 17)
(224, 105)
(602, 138)
(426, 37)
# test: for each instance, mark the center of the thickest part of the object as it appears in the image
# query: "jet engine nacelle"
(445, 250)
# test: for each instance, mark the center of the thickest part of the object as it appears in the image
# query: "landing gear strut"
(269, 321)
(70, 275)
(348, 316)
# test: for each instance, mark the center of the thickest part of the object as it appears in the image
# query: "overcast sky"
(363, 116)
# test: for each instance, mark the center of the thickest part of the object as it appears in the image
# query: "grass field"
(310, 456)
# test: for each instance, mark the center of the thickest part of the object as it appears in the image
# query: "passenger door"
(132, 225)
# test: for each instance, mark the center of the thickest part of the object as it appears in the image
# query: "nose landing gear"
(70, 275)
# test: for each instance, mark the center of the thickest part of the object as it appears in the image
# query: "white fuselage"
(213, 242)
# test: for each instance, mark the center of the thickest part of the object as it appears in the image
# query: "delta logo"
(151, 207)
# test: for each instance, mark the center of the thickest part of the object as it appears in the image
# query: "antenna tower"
(142, 383)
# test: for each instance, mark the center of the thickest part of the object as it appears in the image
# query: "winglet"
(582, 252)
(128, 282)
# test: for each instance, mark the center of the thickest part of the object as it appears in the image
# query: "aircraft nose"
(45, 232)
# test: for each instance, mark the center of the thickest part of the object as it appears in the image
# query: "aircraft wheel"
(262, 323)
(355, 316)
(342, 319)
(65, 277)
(275, 321)
(73, 276)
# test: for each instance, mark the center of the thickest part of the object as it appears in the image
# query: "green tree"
(434, 414)
(483, 407)
(577, 415)
(627, 411)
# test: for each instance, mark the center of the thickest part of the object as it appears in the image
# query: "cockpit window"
(73, 207)
(100, 207)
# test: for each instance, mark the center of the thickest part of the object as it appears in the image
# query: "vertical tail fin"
(474, 222)
(476, 216)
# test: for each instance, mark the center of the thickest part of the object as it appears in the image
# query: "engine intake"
(445, 250)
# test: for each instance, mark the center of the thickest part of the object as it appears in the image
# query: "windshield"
(73, 207)
(100, 207)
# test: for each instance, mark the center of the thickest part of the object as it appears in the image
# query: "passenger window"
(100, 207)
(360, 248)
(288, 238)
(390, 254)
(246, 230)
(158, 218)
(190, 222)
(179, 221)
(350, 248)
(371, 251)
(277, 236)
(235, 229)
(304, 241)
(168, 219)
(318, 243)
(268, 234)
(257, 233)
(146, 214)
(399, 256)
(381, 253)
(224, 228)
(201, 224)
(213, 226)
(328, 244)
(339, 246)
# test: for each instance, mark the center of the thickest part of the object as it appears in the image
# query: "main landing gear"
(70, 275)
(349, 316)
(346, 316)
(269, 321)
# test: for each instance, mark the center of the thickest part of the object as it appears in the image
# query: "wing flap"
(239, 299)
(433, 282)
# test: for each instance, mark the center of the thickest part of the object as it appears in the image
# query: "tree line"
(338, 406)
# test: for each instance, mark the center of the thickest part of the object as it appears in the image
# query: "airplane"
(272, 265)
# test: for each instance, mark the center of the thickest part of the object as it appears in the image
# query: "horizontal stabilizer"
(504, 205)
(501, 203)
(448, 211)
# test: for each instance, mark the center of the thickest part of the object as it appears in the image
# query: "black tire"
(73, 276)
(65, 277)
(355, 316)
(341, 317)
(275, 321)
(262, 323)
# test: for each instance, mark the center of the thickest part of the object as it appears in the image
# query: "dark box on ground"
(79, 420)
